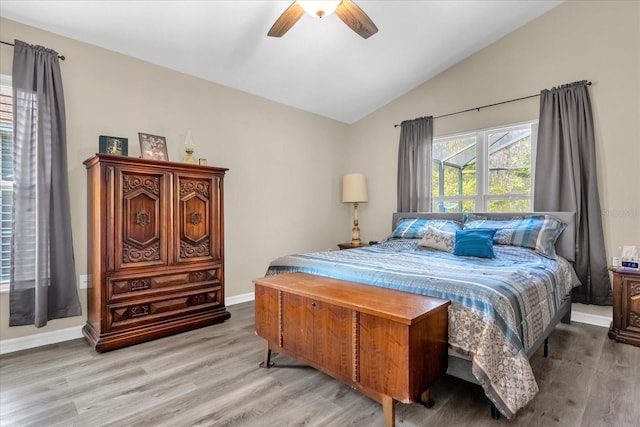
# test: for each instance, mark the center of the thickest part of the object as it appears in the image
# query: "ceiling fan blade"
(288, 18)
(356, 19)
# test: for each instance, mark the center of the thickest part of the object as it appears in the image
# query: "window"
(490, 170)
(6, 173)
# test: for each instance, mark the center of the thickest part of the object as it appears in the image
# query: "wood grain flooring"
(210, 377)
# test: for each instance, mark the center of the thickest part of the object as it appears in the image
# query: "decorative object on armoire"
(113, 145)
(155, 249)
(202, 161)
(153, 147)
(188, 149)
(354, 190)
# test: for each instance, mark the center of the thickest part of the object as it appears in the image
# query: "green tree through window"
(487, 170)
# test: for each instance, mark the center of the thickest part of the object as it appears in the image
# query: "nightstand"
(625, 326)
(350, 245)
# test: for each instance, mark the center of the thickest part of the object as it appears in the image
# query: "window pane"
(523, 205)
(453, 206)
(453, 172)
(510, 162)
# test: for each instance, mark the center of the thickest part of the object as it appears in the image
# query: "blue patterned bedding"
(500, 306)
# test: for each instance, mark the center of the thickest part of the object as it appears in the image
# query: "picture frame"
(153, 147)
(114, 145)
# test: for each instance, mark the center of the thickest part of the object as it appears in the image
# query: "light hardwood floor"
(210, 377)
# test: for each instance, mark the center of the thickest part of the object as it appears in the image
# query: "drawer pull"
(137, 311)
(137, 285)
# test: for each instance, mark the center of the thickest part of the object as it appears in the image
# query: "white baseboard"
(591, 319)
(46, 338)
(53, 337)
(37, 340)
(237, 299)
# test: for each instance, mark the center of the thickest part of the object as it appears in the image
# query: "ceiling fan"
(346, 10)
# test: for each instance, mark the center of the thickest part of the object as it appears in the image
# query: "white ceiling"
(319, 66)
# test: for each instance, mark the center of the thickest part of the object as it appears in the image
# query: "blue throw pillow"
(477, 242)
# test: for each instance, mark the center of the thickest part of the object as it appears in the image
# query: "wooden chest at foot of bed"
(389, 344)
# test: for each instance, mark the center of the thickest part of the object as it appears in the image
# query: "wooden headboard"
(565, 245)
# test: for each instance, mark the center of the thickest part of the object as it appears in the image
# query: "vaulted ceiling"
(320, 65)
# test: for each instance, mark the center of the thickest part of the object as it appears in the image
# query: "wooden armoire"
(155, 249)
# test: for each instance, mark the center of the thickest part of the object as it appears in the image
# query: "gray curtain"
(566, 180)
(43, 276)
(414, 165)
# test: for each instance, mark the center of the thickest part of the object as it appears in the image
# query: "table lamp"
(354, 190)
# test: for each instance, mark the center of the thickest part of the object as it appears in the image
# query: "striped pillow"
(414, 228)
(538, 232)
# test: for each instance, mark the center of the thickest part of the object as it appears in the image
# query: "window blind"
(6, 175)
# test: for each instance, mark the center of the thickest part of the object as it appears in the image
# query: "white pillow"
(438, 239)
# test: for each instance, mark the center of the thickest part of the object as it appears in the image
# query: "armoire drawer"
(135, 313)
(121, 289)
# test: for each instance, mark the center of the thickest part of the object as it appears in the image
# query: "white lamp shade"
(354, 188)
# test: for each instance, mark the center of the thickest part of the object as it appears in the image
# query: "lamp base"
(355, 231)
(355, 235)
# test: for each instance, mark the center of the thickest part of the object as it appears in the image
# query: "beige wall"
(597, 41)
(283, 189)
(282, 192)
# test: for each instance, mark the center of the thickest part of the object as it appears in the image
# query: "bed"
(503, 308)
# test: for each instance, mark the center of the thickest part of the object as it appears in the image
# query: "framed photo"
(153, 147)
(113, 145)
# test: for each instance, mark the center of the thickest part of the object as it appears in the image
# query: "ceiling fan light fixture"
(319, 8)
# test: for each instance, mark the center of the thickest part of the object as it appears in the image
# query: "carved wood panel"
(198, 225)
(143, 234)
(634, 303)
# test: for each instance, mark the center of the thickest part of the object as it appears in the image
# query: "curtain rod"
(62, 58)
(485, 106)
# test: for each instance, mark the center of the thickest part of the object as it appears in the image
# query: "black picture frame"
(115, 145)
(153, 147)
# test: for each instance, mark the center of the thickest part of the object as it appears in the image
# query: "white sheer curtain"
(414, 165)
(43, 276)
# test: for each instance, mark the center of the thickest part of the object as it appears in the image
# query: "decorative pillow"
(438, 239)
(538, 232)
(475, 242)
(414, 228)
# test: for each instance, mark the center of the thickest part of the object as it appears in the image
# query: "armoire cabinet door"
(198, 223)
(141, 218)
